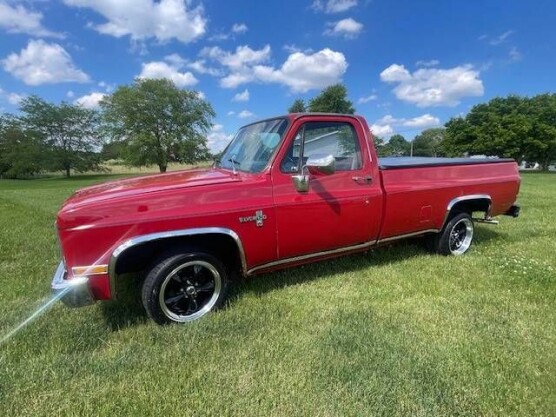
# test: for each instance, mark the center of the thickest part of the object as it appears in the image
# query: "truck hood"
(148, 184)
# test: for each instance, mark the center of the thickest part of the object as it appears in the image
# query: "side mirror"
(316, 165)
(321, 165)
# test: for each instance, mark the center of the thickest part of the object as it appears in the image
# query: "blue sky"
(408, 65)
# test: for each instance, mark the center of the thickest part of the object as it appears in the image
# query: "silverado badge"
(258, 218)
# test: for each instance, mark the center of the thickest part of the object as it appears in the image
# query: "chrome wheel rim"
(461, 236)
(190, 291)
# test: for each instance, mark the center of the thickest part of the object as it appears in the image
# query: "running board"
(488, 220)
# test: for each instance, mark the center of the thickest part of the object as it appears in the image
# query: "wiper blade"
(234, 162)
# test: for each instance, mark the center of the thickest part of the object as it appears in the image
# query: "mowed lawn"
(392, 332)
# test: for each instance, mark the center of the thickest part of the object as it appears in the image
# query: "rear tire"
(455, 238)
(182, 287)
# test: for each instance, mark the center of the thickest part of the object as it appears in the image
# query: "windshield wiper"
(234, 162)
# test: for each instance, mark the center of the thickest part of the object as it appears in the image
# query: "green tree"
(158, 123)
(21, 154)
(398, 146)
(380, 147)
(69, 133)
(429, 143)
(298, 106)
(513, 126)
(332, 99)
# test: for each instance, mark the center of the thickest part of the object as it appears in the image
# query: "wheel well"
(139, 257)
(470, 205)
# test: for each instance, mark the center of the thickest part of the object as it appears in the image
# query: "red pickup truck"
(286, 191)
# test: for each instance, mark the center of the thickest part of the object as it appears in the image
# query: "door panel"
(337, 211)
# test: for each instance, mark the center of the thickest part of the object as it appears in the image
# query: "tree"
(69, 133)
(298, 106)
(429, 143)
(21, 155)
(398, 146)
(158, 123)
(513, 126)
(332, 99)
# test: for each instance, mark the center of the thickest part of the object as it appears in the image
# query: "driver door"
(338, 210)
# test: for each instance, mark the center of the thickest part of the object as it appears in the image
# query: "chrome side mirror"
(321, 165)
(316, 165)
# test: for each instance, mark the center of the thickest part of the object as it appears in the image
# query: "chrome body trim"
(408, 235)
(138, 240)
(74, 292)
(469, 197)
(360, 246)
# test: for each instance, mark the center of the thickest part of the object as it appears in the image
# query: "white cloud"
(386, 126)
(348, 28)
(17, 19)
(244, 114)
(302, 72)
(161, 69)
(515, 55)
(218, 139)
(242, 57)
(382, 130)
(333, 6)
(15, 99)
(434, 86)
(231, 113)
(200, 67)
(239, 28)
(366, 99)
(244, 96)
(497, 40)
(430, 63)
(90, 101)
(144, 19)
(70, 94)
(43, 63)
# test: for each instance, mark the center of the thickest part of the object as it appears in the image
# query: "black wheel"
(183, 287)
(456, 236)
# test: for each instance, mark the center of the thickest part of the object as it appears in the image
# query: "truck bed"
(416, 162)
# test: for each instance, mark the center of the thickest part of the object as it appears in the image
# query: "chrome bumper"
(74, 292)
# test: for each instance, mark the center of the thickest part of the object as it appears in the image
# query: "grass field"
(393, 332)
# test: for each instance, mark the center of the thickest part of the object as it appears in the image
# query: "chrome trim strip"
(311, 255)
(407, 235)
(138, 240)
(459, 199)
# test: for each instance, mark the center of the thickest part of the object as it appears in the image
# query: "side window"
(324, 138)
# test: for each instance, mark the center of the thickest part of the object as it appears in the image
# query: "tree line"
(152, 121)
(149, 122)
(522, 128)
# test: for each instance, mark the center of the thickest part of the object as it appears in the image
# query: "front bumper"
(74, 292)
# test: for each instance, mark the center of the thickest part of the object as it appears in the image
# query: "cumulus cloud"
(144, 19)
(386, 126)
(218, 139)
(90, 101)
(347, 28)
(333, 6)
(43, 63)
(15, 99)
(243, 96)
(17, 19)
(239, 28)
(302, 72)
(434, 86)
(169, 69)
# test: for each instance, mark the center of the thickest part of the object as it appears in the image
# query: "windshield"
(253, 146)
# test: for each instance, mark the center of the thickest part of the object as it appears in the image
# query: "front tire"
(455, 237)
(182, 287)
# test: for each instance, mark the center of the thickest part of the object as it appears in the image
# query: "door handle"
(367, 179)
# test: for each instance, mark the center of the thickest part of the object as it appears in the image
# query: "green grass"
(393, 332)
